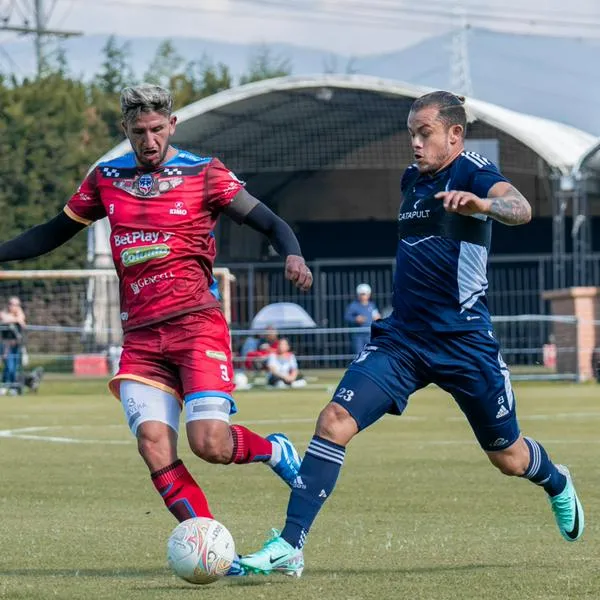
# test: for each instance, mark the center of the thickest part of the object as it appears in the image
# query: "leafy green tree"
(49, 135)
(266, 65)
(166, 64)
(200, 79)
(115, 72)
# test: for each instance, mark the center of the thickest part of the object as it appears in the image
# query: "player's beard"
(438, 161)
(156, 160)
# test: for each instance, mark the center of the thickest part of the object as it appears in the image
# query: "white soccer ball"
(200, 550)
(240, 381)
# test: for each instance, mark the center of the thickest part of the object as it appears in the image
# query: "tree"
(166, 65)
(116, 72)
(49, 135)
(265, 65)
(201, 78)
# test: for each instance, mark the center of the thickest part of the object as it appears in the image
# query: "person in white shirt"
(283, 367)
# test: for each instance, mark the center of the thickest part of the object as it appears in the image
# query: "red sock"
(181, 494)
(249, 446)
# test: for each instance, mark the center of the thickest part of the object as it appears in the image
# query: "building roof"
(285, 116)
(589, 161)
(559, 145)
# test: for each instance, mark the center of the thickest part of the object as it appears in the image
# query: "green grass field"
(418, 512)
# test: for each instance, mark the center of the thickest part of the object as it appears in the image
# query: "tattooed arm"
(504, 204)
(508, 205)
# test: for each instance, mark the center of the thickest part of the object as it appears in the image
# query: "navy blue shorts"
(467, 365)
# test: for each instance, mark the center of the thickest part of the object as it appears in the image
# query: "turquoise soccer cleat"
(285, 460)
(567, 509)
(275, 556)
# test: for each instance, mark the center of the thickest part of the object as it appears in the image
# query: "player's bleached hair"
(451, 108)
(145, 97)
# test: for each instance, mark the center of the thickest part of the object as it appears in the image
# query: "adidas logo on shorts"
(502, 412)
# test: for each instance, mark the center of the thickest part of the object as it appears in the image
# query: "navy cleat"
(236, 569)
(285, 460)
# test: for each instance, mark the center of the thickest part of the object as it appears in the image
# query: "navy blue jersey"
(440, 282)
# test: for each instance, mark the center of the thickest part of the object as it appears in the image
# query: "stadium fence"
(75, 312)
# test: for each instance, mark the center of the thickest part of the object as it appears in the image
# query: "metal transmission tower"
(460, 69)
(26, 18)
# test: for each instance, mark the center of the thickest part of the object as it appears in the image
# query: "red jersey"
(162, 225)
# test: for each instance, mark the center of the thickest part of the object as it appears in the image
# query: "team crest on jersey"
(147, 185)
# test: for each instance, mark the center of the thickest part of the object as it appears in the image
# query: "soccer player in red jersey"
(162, 204)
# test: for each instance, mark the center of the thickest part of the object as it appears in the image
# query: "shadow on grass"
(254, 580)
(81, 573)
(432, 569)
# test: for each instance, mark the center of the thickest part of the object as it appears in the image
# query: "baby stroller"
(15, 380)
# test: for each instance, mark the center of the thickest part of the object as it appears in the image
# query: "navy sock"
(542, 471)
(315, 482)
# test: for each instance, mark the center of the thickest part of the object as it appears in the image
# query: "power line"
(386, 11)
(34, 20)
(361, 12)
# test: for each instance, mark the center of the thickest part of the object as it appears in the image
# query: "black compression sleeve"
(40, 239)
(280, 234)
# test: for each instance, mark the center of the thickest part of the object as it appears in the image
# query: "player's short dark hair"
(451, 108)
(145, 97)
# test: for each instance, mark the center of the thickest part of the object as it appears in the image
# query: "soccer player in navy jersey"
(440, 332)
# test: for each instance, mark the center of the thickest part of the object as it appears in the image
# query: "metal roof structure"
(559, 145)
(285, 119)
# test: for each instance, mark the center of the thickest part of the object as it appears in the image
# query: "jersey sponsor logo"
(147, 186)
(169, 184)
(414, 214)
(179, 209)
(142, 254)
(216, 354)
(140, 284)
(141, 236)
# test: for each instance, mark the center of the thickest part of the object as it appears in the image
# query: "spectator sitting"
(12, 320)
(271, 338)
(250, 345)
(283, 367)
(361, 313)
(255, 360)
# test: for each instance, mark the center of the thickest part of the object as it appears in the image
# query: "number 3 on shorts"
(224, 373)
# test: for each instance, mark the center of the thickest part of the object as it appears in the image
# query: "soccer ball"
(241, 381)
(200, 550)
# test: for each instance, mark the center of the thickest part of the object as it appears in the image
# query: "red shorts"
(183, 355)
